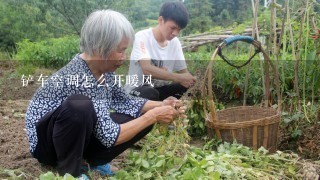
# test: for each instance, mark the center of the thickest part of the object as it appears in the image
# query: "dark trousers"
(66, 137)
(159, 93)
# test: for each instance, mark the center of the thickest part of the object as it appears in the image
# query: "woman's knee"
(78, 103)
(80, 109)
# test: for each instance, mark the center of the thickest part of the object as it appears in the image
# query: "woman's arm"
(163, 114)
(150, 105)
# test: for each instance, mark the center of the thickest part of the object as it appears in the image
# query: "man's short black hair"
(175, 11)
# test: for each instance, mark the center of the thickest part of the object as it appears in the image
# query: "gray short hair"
(103, 31)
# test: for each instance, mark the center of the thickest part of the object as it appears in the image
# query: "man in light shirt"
(157, 53)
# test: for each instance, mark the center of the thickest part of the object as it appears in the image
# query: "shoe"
(83, 177)
(103, 170)
(171, 127)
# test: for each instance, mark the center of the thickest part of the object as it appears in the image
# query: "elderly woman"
(80, 114)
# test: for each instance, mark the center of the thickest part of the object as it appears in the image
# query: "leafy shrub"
(51, 53)
(26, 69)
(239, 29)
(4, 55)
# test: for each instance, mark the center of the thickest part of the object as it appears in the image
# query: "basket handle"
(230, 40)
(208, 75)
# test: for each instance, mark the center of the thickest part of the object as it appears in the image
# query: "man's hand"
(185, 79)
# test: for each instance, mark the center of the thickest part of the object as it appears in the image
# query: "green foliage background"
(50, 53)
(38, 20)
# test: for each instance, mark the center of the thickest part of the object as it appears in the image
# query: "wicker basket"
(250, 126)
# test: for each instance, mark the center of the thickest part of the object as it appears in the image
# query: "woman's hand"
(165, 111)
(172, 101)
(163, 114)
(176, 104)
(181, 110)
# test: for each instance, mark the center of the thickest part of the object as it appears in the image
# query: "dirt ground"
(14, 151)
(14, 148)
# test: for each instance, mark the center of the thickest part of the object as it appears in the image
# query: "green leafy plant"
(51, 53)
(230, 161)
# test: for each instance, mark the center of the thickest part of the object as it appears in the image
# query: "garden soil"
(14, 148)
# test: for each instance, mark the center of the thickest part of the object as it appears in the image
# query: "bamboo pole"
(245, 91)
(276, 65)
(261, 58)
(316, 45)
(305, 63)
(296, 61)
(277, 49)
